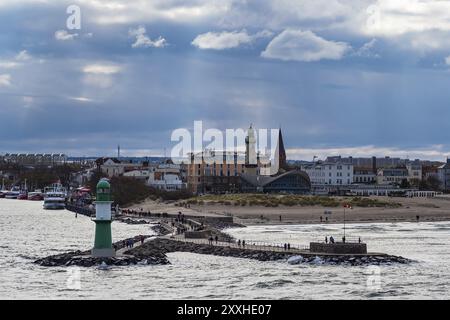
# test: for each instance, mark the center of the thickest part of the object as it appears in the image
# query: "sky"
(361, 78)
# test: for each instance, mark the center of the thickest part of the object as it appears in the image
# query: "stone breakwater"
(160, 230)
(77, 258)
(154, 253)
(159, 245)
(131, 221)
(84, 259)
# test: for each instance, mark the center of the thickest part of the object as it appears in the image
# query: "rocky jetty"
(221, 225)
(351, 260)
(131, 221)
(160, 230)
(154, 253)
(164, 246)
(83, 260)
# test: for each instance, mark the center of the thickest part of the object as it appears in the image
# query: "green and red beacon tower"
(103, 238)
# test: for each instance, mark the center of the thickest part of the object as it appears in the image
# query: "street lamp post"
(346, 206)
(344, 221)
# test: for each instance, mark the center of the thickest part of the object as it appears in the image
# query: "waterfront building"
(139, 174)
(362, 190)
(167, 177)
(205, 175)
(414, 172)
(329, 174)
(364, 175)
(245, 172)
(444, 175)
(369, 162)
(392, 176)
(34, 159)
(293, 182)
(82, 178)
(112, 167)
(411, 172)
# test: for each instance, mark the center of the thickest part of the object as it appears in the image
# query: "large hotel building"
(213, 171)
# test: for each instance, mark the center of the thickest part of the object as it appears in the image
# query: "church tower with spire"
(279, 164)
(281, 152)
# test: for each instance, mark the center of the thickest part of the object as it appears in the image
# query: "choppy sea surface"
(28, 232)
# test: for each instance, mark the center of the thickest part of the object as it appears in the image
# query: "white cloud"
(17, 61)
(63, 35)
(447, 61)
(5, 80)
(143, 41)
(81, 99)
(282, 14)
(106, 69)
(23, 56)
(100, 75)
(226, 40)
(419, 21)
(367, 50)
(394, 18)
(8, 64)
(297, 45)
(142, 11)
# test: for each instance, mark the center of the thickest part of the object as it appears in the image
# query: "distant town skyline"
(347, 78)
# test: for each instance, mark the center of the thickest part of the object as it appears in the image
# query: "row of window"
(364, 179)
(221, 173)
(330, 181)
(331, 168)
(207, 165)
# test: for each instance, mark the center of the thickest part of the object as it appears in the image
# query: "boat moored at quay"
(55, 197)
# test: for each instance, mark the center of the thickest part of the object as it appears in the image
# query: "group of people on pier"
(332, 241)
(211, 240)
(129, 243)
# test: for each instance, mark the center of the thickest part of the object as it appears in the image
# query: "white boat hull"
(54, 206)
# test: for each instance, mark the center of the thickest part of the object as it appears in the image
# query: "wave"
(273, 284)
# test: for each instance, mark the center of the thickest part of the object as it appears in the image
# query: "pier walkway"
(121, 251)
(249, 245)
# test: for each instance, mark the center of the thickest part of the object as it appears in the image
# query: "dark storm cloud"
(87, 94)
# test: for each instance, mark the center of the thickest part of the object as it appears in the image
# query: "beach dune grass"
(273, 200)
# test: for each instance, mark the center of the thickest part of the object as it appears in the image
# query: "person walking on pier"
(289, 246)
(142, 240)
(217, 239)
(331, 240)
(326, 239)
(239, 242)
(285, 247)
(243, 243)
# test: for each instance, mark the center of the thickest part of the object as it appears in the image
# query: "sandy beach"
(428, 209)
